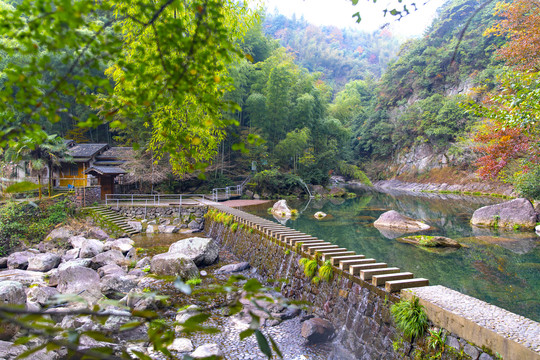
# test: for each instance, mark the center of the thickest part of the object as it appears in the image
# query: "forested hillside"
(342, 55)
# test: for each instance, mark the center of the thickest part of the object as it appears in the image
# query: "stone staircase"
(112, 217)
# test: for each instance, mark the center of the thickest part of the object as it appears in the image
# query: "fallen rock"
(75, 262)
(42, 295)
(203, 251)
(319, 215)
(175, 264)
(71, 255)
(10, 351)
(136, 225)
(430, 241)
(90, 248)
(77, 241)
(111, 269)
(26, 278)
(168, 229)
(114, 257)
(181, 345)
(144, 262)
(61, 233)
(393, 219)
(97, 233)
(514, 213)
(150, 229)
(139, 300)
(43, 262)
(80, 281)
(194, 225)
(207, 350)
(124, 245)
(11, 293)
(231, 268)
(19, 260)
(280, 209)
(115, 287)
(317, 330)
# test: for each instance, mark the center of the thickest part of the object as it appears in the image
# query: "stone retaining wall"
(159, 212)
(87, 195)
(359, 311)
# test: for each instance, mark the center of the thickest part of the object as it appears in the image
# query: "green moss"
(326, 272)
(310, 268)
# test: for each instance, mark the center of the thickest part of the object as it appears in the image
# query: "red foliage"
(499, 146)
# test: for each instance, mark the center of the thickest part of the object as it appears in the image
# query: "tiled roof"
(117, 153)
(105, 170)
(86, 150)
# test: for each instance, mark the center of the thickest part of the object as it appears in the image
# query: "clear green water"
(502, 268)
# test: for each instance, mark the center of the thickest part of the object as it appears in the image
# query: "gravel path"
(510, 325)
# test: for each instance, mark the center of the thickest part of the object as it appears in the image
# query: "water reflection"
(500, 267)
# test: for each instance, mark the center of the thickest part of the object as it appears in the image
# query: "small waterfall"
(288, 270)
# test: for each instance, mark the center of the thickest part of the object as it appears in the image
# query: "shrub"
(234, 227)
(326, 272)
(310, 268)
(275, 182)
(316, 280)
(427, 241)
(410, 318)
(528, 184)
(194, 281)
(353, 172)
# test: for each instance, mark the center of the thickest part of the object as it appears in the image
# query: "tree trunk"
(39, 184)
(50, 179)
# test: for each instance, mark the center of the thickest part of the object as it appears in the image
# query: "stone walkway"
(240, 203)
(509, 325)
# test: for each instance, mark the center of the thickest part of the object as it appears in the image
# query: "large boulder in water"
(393, 219)
(510, 214)
(317, 330)
(281, 210)
(203, 251)
(174, 264)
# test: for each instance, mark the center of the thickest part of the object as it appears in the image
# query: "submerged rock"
(203, 251)
(509, 214)
(395, 220)
(430, 241)
(320, 215)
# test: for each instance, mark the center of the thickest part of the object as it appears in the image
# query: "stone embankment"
(360, 310)
(163, 219)
(477, 187)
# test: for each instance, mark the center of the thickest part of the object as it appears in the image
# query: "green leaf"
(252, 286)
(263, 344)
(275, 347)
(246, 333)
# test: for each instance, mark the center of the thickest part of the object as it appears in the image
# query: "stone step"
(345, 257)
(397, 285)
(379, 280)
(305, 245)
(312, 249)
(368, 274)
(296, 239)
(345, 264)
(328, 250)
(355, 269)
(333, 256)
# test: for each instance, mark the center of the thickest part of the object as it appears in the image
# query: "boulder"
(537, 229)
(19, 260)
(206, 351)
(60, 234)
(150, 229)
(11, 293)
(42, 295)
(317, 330)
(337, 192)
(395, 220)
(111, 269)
(90, 248)
(138, 300)
(181, 345)
(116, 286)
(249, 194)
(43, 262)
(136, 225)
(114, 257)
(3, 262)
(319, 215)
(26, 278)
(431, 241)
(280, 209)
(75, 262)
(144, 262)
(97, 233)
(71, 255)
(231, 268)
(174, 264)
(509, 214)
(168, 229)
(123, 245)
(80, 281)
(194, 225)
(77, 241)
(9, 350)
(203, 251)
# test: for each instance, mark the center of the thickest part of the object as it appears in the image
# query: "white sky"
(339, 13)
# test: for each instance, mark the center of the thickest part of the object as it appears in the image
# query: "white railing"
(151, 199)
(227, 192)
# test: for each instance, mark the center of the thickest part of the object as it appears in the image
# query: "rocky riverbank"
(74, 272)
(477, 188)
